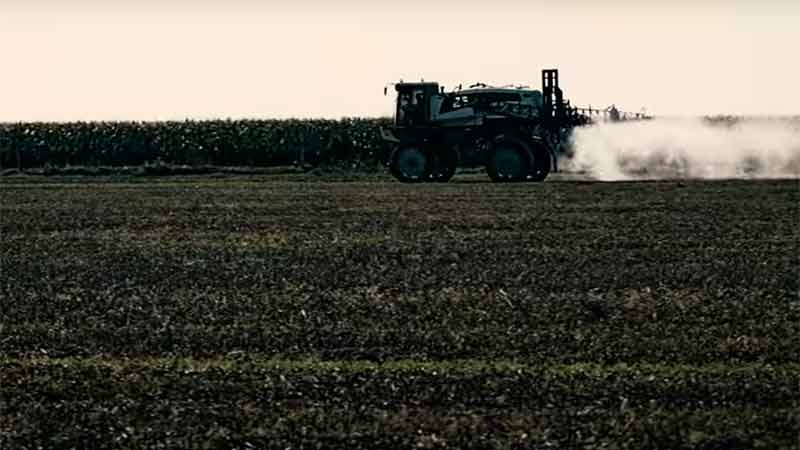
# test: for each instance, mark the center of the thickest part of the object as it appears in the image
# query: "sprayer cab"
(414, 103)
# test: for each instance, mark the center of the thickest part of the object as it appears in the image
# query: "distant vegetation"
(308, 143)
(252, 143)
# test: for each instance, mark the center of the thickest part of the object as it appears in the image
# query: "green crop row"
(220, 142)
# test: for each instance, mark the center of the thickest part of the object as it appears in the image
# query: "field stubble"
(244, 312)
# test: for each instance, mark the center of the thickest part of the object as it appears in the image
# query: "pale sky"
(142, 60)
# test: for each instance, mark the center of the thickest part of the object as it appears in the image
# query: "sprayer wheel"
(410, 164)
(540, 168)
(508, 162)
(444, 164)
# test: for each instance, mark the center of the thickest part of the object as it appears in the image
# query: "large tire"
(541, 165)
(509, 161)
(444, 164)
(410, 164)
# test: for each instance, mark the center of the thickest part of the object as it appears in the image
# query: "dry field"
(278, 313)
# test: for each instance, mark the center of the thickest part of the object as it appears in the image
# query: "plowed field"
(264, 313)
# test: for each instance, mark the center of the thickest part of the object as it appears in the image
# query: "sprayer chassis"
(516, 133)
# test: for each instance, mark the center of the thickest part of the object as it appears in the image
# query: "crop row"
(245, 404)
(703, 272)
(252, 313)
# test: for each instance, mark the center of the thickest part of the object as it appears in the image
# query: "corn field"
(221, 142)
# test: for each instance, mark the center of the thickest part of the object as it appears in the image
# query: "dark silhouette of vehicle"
(517, 133)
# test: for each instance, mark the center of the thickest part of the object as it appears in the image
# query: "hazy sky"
(145, 61)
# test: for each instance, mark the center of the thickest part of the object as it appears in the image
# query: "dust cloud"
(687, 148)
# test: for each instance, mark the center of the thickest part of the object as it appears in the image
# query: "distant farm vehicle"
(517, 133)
